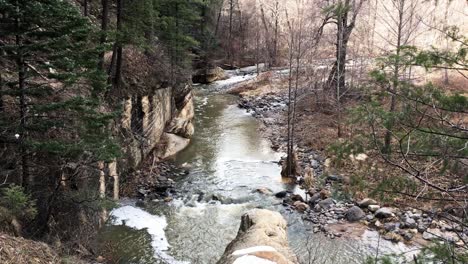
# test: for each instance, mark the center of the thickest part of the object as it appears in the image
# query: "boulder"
(373, 207)
(384, 212)
(281, 194)
(326, 204)
(314, 198)
(264, 191)
(297, 197)
(301, 206)
(366, 202)
(173, 145)
(355, 214)
(262, 238)
(182, 123)
(208, 75)
(409, 222)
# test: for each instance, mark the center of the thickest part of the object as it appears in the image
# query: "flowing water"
(228, 161)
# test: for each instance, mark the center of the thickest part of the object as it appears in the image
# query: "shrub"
(18, 203)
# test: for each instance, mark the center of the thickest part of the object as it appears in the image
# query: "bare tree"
(344, 13)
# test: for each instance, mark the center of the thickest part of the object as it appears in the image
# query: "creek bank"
(328, 214)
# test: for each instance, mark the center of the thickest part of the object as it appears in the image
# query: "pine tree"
(53, 86)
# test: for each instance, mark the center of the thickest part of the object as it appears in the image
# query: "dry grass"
(15, 250)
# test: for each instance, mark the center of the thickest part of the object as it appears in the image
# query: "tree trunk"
(85, 8)
(113, 173)
(230, 49)
(396, 73)
(275, 41)
(104, 25)
(102, 180)
(26, 177)
(119, 48)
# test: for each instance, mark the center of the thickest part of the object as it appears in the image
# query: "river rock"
(392, 236)
(265, 191)
(262, 238)
(336, 178)
(297, 197)
(301, 206)
(326, 204)
(314, 164)
(384, 212)
(324, 194)
(409, 222)
(366, 202)
(355, 214)
(314, 198)
(281, 194)
(373, 207)
(391, 226)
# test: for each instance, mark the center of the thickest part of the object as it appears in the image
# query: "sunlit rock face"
(262, 238)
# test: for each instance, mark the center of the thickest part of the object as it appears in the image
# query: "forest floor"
(339, 202)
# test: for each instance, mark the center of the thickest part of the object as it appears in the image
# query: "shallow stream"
(228, 161)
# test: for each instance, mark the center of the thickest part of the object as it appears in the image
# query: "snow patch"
(251, 250)
(139, 219)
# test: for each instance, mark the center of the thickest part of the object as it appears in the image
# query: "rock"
(314, 164)
(428, 236)
(409, 222)
(336, 178)
(281, 194)
(366, 202)
(373, 207)
(391, 226)
(297, 197)
(378, 224)
(355, 214)
(301, 206)
(384, 212)
(264, 191)
(370, 217)
(324, 194)
(174, 144)
(407, 235)
(262, 234)
(326, 204)
(314, 198)
(394, 237)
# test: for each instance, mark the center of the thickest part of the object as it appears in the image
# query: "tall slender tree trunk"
(85, 8)
(113, 173)
(340, 78)
(275, 40)
(102, 180)
(218, 19)
(290, 148)
(230, 52)
(104, 25)
(119, 47)
(396, 73)
(257, 40)
(26, 177)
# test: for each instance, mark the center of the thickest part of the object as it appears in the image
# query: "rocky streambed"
(332, 215)
(191, 209)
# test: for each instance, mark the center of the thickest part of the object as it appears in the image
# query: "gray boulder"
(326, 204)
(384, 212)
(366, 202)
(355, 214)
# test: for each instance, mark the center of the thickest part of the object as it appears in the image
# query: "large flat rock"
(262, 238)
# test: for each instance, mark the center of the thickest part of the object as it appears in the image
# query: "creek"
(228, 160)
